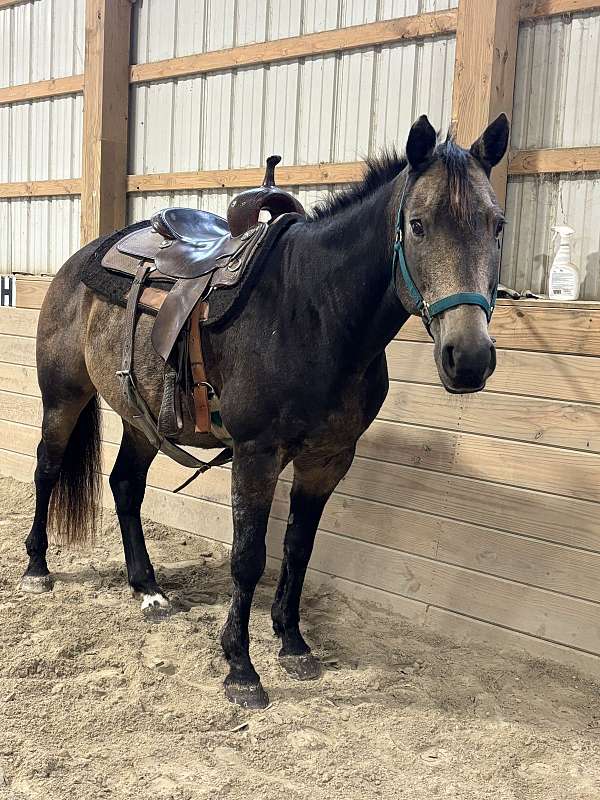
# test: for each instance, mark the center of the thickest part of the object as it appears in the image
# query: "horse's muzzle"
(466, 365)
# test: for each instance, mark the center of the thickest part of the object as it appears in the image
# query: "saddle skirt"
(170, 267)
(194, 270)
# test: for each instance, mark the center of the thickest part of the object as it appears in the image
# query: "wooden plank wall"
(475, 514)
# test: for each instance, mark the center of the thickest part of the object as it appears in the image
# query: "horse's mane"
(386, 166)
(379, 170)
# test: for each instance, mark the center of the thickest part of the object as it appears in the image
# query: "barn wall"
(472, 514)
(476, 514)
(556, 104)
(324, 109)
(40, 139)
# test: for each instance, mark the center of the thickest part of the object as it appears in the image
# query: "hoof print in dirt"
(304, 668)
(247, 695)
(37, 584)
(156, 608)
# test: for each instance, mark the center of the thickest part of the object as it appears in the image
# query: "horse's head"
(447, 249)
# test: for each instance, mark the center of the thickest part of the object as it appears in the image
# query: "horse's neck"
(353, 275)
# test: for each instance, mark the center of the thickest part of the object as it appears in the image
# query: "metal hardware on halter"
(428, 311)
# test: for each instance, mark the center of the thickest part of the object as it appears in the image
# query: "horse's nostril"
(448, 359)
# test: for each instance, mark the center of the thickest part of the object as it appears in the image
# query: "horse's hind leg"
(60, 420)
(312, 487)
(128, 484)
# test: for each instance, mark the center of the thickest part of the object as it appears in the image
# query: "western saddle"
(175, 262)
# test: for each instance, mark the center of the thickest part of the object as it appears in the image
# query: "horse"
(300, 372)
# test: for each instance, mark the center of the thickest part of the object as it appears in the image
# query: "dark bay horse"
(300, 372)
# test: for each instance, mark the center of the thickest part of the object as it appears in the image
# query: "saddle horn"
(244, 209)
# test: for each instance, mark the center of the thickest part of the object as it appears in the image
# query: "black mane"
(379, 170)
(383, 168)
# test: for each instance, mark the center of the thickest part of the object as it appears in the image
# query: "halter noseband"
(428, 311)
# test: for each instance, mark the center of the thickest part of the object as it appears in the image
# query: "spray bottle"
(563, 279)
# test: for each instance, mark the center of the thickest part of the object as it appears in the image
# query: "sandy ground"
(97, 703)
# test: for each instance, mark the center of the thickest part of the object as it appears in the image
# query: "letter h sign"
(8, 290)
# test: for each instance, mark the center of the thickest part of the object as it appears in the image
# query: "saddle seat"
(190, 225)
(185, 243)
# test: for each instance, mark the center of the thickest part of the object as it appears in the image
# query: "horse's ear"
(491, 145)
(421, 144)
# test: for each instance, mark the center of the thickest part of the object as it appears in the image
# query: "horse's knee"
(248, 564)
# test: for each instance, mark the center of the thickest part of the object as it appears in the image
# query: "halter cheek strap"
(428, 311)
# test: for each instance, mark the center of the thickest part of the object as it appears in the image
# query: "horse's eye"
(417, 227)
(499, 228)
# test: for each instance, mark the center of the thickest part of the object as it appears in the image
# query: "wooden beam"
(292, 48)
(56, 188)
(564, 159)
(55, 87)
(530, 9)
(521, 162)
(9, 3)
(313, 174)
(106, 101)
(484, 71)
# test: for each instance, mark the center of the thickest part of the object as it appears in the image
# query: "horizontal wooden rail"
(531, 9)
(55, 87)
(288, 49)
(8, 3)
(303, 175)
(55, 188)
(562, 159)
(522, 162)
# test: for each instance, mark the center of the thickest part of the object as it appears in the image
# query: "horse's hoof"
(156, 607)
(304, 668)
(247, 695)
(37, 584)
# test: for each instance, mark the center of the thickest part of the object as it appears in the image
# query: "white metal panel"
(40, 140)
(534, 205)
(41, 40)
(333, 108)
(557, 104)
(557, 86)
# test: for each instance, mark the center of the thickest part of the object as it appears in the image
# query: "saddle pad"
(114, 286)
(225, 302)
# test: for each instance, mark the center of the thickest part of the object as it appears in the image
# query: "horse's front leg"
(314, 481)
(253, 480)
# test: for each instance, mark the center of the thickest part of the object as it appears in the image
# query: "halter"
(428, 311)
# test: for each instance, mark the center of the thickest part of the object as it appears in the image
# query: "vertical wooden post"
(105, 110)
(484, 72)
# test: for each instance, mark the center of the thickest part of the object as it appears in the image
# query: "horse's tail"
(75, 501)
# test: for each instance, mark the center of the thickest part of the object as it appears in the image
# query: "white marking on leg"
(154, 601)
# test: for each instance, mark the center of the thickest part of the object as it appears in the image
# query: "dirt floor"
(95, 702)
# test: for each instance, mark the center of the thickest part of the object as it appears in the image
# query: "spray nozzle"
(564, 231)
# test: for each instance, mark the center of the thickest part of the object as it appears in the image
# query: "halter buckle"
(425, 314)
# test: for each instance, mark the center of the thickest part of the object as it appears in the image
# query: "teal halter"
(426, 310)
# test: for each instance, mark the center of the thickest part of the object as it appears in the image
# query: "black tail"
(75, 502)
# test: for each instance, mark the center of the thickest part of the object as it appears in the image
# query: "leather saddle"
(191, 249)
(175, 262)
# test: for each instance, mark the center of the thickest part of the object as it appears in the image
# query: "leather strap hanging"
(202, 411)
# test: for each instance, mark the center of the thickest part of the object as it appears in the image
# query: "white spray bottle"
(563, 279)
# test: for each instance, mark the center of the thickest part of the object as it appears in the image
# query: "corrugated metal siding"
(557, 104)
(40, 140)
(331, 108)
